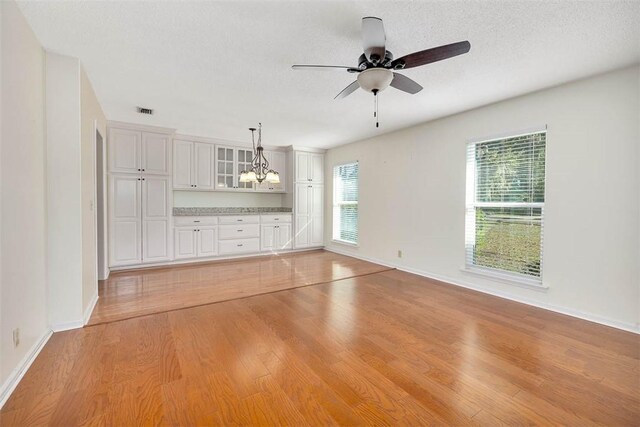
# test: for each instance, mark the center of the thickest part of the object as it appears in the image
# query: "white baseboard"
(61, 327)
(90, 307)
(18, 372)
(630, 327)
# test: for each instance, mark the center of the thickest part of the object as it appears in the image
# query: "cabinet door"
(278, 162)
(183, 164)
(302, 223)
(303, 200)
(316, 168)
(184, 245)
(155, 219)
(316, 199)
(156, 153)
(124, 151)
(302, 167)
(225, 161)
(204, 161)
(316, 231)
(284, 236)
(268, 237)
(125, 232)
(244, 163)
(207, 241)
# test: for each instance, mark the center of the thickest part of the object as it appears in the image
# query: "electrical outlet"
(399, 253)
(16, 337)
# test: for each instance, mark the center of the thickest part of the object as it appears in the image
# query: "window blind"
(505, 204)
(345, 202)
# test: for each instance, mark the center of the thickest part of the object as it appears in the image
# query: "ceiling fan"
(376, 65)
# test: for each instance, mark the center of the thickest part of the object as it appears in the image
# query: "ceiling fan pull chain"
(375, 106)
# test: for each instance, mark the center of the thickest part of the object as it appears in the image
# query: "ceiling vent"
(143, 110)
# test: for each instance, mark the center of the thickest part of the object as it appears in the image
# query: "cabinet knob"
(142, 170)
(139, 169)
(240, 244)
(239, 231)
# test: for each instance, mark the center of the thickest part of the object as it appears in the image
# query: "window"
(345, 203)
(505, 205)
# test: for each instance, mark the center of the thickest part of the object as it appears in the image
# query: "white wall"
(412, 195)
(64, 187)
(22, 192)
(91, 116)
(185, 199)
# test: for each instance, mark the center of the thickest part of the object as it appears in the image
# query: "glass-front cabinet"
(225, 162)
(230, 162)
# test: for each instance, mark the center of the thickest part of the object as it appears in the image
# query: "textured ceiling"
(215, 68)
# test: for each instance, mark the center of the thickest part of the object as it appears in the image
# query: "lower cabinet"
(191, 242)
(238, 246)
(276, 237)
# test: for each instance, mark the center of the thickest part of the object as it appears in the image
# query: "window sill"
(506, 278)
(344, 242)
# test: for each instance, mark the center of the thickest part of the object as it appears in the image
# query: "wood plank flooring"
(388, 348)
(129, 294)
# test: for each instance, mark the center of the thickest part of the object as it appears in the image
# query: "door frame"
(104, 274)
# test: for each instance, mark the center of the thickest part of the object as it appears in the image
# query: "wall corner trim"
(629, 327)
(89, 309)
(16, 375)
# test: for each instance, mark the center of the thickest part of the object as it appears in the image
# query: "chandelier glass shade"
(260, 170)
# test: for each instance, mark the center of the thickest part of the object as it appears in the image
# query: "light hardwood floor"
(388, 348)
(134, 293)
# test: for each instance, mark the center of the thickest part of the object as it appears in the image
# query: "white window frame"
(470, 203)
(335, 232)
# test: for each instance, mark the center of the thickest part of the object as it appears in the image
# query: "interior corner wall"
(412, 196)
(64, 202)
(91, 116)
(23, 304)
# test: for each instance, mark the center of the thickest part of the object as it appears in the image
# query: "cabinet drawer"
(180, 221)
(237, 246)
(240, 231)
(240, 219)
(275, 218)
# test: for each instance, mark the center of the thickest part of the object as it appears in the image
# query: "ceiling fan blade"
(325, 67)
(373, 39)
(431, 55)
(348, 90)
(405, 84)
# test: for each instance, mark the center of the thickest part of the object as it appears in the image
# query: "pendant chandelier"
(259, 164)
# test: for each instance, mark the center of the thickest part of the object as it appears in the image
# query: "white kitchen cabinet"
(276, 237)
(309, 167)
(133, 151)
(124, 151)
(139, 219)
(185, 242)
(195, 241)
(193, 165)
(207, 241)
(230, 162)
(309, 217)
(125, 231)
(156, 218)
(156, 153)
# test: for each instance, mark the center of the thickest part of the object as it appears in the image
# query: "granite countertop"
(227, 211)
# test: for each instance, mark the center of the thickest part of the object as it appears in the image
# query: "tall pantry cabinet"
(139, 196)
(308, 199)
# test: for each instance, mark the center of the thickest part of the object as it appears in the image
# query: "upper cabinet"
(309, 167)
(230, 161)
(193, 165)
(135, 152)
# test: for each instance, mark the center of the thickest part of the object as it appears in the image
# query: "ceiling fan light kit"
(260, 170)
(376, 65)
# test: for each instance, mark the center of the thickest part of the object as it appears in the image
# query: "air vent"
(143, 110)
